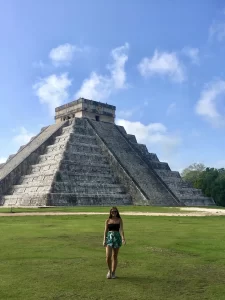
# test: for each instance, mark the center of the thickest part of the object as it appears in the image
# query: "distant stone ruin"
(85, 159)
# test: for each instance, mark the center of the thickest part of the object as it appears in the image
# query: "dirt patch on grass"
(184, 212)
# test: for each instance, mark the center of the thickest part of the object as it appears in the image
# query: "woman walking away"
(112, 240)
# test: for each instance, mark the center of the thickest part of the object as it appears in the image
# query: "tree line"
(210, 180)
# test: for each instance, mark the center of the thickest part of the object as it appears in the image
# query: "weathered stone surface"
(153, 190)
(20, 163)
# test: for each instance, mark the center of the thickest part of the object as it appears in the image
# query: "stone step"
(62, 139)
(56, 147)
(78, 176)
(68, 187)
(84, 158)
(66, 199)
(42, 168)
(85, 148)
(176, 183)
(84, 168)
(67, 129)
(80, 157)
(188, 192)
(87, 177)
(47, 178)
(70, 166)
(159, 165)
(167, 173)
(77, 129)
(34, 187)
(26, 200)
(197, 197)
(53, 156)
(74, 137)
(206, 201)
(80, 122)
(87, 188)
(83, 130)
(83, 138)
(152, 157)
(27, 179)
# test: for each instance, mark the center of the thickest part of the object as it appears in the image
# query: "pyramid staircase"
(72, 171)
(182, 190)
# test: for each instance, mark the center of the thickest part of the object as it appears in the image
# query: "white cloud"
(63, 54)
(171, 108)
(126, 113)
(99, 87)
(217, 31)
(118, 74)
(152, 135)
(23, 137)
(52, 90)
(96, 87)
(163, 64)
(192, 53)
(206, 105)
(2, 160)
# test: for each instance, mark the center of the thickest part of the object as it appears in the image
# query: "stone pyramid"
(85, 159)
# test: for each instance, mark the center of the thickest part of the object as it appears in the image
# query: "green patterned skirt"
(113, 239)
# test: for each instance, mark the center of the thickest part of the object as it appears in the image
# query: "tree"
(198, 167)
(210, 180)
(192, 173)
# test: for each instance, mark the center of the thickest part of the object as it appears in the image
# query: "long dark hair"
(110, 212)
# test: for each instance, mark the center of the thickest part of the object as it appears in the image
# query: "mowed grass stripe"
(61, 257)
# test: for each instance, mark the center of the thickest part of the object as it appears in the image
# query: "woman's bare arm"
(105, 232)
(122, 231)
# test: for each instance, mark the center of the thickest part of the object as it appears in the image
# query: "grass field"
(61, 257)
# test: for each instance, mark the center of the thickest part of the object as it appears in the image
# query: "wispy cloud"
(64, 54)
(217, 31)
(61, 55)
(53, 90)
(163, 64)
(23, 136)
(153, 134)
(207, 103)
(125, 113)
(171, 108)
(39, 64)
(192, 53)
(99, 87)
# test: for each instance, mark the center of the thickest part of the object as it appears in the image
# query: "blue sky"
(161, 63)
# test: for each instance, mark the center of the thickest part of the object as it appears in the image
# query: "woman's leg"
(114, 259)
(109, 257)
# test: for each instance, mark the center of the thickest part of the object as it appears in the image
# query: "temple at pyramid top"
(84, 108)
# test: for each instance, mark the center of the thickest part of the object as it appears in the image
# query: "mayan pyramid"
(85, 159)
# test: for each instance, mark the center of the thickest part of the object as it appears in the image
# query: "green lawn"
(61, 257)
